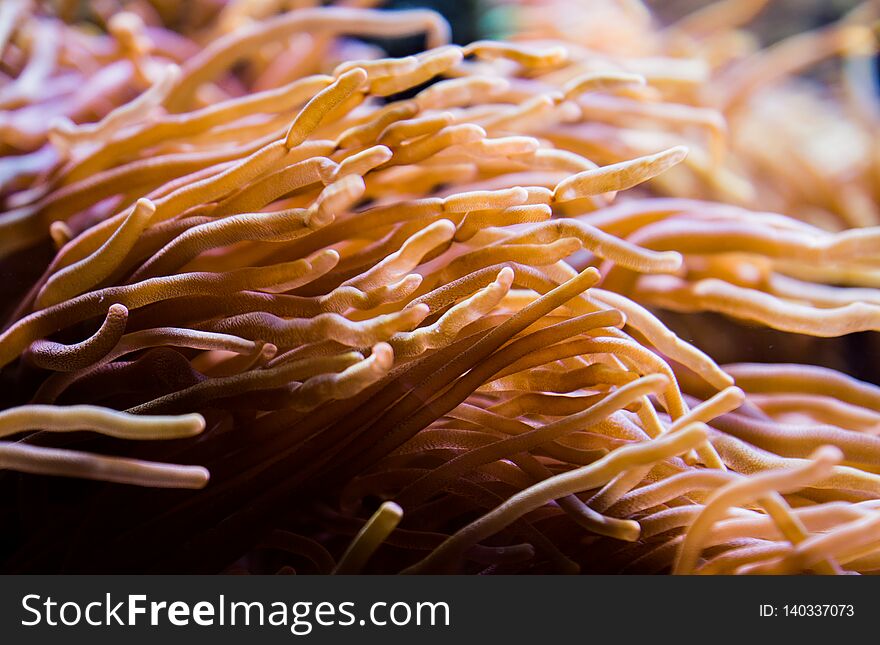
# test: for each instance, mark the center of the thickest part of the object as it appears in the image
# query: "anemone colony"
(407, 311)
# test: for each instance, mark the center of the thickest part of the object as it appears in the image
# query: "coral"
(409, 312)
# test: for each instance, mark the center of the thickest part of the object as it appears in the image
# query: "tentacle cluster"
(405, 310)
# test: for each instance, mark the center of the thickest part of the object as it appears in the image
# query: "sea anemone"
(408, 312)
